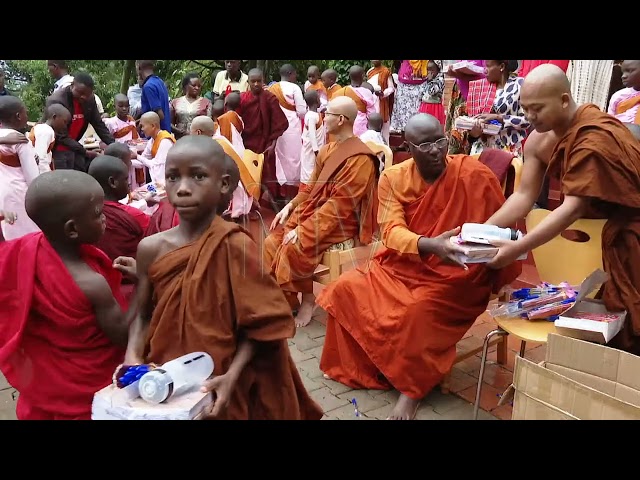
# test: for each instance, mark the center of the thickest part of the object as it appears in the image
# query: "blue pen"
(355, 407)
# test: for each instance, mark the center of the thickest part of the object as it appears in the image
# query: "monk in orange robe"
(63, 329)
(395, 323)
(264, 123)
(202, 288)
(338, 207)
(598, 160)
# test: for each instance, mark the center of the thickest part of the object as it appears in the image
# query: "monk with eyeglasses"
(394, 323)
(334, 212)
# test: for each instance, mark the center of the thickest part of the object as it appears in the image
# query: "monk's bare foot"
(306, 310)
(405, 409)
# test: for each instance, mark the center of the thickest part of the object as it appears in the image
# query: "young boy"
(314, 83)
(159, 144)
(125, 225)
(202, 288)
(374, 134)
(217, 109)
(122, 126)
(329, 78)
(18, 168)
(230, 123)
(43, 135)
(313, 137)
(62, 326)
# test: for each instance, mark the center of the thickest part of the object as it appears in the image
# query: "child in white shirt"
(43, 135)
(313, 137)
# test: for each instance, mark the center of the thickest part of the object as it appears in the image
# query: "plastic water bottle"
(175, 377)
(482, 233)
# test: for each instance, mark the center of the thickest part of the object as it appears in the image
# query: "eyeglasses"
(337, 115)
(426, 146)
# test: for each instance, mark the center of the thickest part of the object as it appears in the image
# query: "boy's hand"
(127, 266)
(9, 217)
(223, 386)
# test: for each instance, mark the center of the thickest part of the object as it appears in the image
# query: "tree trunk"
(267, 73)
(127, 70)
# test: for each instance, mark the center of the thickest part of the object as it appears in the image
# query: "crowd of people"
(129, 249)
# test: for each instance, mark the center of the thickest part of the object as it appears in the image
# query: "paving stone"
(336, 387)
(311, 368)
(315, 352)
(347, 412)
(463, 412)
(3, 383)
(303, 342)
(365, 402)
(297, 355)
(314, 330)
(443, 403)
(7, 404)
(426, 412)
(309, 384)
(327, 400)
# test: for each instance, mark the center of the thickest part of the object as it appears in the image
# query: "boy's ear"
(225, 180)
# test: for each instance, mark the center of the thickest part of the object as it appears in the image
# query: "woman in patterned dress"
(191, 105)
(495, 98)
(412, 77)
(458, 102)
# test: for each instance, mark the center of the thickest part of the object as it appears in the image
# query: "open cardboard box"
(578, 380)
(571, 325)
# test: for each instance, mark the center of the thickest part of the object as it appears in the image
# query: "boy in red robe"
(62, 321)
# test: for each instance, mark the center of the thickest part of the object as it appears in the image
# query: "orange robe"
(395, 323)
(599, 158)
(209, 292)
(339, 206)
(383, 80)
(226, 120)
(332, 90)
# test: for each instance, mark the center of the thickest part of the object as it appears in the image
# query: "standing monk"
(201, 288)
(62, 326)
(364, 98)
(264, 123)
(382, 81)
(598, 160)
(289, 145)
(337, 208)
(415, 300)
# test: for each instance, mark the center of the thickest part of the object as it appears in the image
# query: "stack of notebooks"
(467, 123)
(477, 252)
(467, 68)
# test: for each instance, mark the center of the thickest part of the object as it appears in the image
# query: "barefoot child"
(43, 135)
(230, 123)
(62, 326)
(202, 289)
(159, 144)
(18, 168)
(313, 137)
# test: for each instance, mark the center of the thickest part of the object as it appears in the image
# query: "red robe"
(123, 232)
(264, 122)
(164, 218)
(51, 348)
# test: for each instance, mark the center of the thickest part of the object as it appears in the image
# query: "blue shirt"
(155, 96)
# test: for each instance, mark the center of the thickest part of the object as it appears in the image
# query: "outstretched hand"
(127, 266)
(443, 247)
(508, 253)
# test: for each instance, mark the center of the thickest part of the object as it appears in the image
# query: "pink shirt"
(621, 95)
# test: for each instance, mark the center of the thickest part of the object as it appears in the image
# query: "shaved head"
(312, 97)
(356, 75)
(313, 70)
(54, 198)
(120, 97)
(205, 124)
(119, 150)
(375, 122)
(151, 118)
(546, 99)
(198, 148)
(58, 110)
(232, 101)
(112, 175)
(344, 106)
(427, 144)
(330, 73)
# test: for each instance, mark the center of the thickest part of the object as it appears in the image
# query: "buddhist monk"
(382, 80)
(415, 300)
(329, 78)
(62, 327)
(201, 288)
(264, 123)
(230, 124)
(598, 160)
(336, 209)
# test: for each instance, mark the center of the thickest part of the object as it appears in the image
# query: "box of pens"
(544, 302)
(588, 319)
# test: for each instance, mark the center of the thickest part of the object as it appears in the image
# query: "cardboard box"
(578, 380)
(570, 325)
(112, 403)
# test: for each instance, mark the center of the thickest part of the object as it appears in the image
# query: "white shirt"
(156, 164)
(44, 136)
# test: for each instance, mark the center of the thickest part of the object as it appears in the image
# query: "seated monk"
(337, 207)
(598, 160)
(201, 288)
(415, 300)
(125, 225)
(62, 327)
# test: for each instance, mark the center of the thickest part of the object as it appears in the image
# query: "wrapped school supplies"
(545, 302)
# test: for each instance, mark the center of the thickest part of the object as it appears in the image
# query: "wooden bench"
(333, 261)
